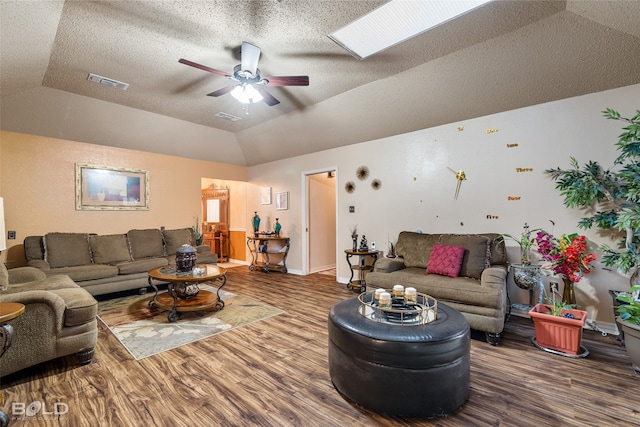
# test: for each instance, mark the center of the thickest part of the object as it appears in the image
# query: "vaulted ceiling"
(502, 56)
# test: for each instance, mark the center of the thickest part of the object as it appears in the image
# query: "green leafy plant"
(630, 311)
(610, 195)
(558, 307)
(526, 241)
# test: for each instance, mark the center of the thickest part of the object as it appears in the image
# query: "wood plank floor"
(274, 373)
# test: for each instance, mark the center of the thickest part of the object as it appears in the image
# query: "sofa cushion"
(67, 249)
(109, 249)
(476, 254)
(415, 248)
(173, 239)
(34, 248)
(80, 273)
(445, 260)
(140, 265)
(146, 243)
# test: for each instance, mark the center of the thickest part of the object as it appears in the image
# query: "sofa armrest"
(40, 264)
(38, 298)
(387, 265)
(203, 250)
(25, 274)
(494, 277)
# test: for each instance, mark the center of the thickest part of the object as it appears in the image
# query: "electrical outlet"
(352, 209)
(11, 235)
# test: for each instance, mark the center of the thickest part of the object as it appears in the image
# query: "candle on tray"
(398, 291)
(376, 296)
(385, 299)
(410, 296)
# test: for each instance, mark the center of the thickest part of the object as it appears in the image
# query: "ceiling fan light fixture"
(397, 21)
(246, 94)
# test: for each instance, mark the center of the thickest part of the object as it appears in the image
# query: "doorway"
(321, 221)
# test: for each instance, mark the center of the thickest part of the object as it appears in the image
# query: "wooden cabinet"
(268, 253)
(215, 227)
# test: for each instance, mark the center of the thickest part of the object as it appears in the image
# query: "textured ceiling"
(505, 55)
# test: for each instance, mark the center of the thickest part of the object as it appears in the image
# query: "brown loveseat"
(103, 264)
(59, 319)
(480, 291)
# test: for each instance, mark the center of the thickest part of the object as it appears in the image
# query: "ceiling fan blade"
(222, 91)
(203, 67)
(269, 99)
(288, 81)
(250, 57)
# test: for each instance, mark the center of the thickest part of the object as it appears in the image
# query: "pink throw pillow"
(445, 260)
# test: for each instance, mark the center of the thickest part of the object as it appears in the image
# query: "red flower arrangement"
(566, 254)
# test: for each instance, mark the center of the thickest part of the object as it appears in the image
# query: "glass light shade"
(246, 94)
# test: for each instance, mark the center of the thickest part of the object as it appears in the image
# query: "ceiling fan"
(250, 87)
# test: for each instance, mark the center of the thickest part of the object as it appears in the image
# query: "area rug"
(144, 331)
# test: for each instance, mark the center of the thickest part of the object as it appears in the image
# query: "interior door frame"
(305, 214)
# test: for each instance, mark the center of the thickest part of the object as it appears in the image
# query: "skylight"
(397, 21)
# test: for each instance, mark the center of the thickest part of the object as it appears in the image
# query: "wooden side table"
(361, 267)
(8, 311)
(268, 253)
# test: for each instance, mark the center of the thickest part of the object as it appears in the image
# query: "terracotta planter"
(631, 333)
(557, 332)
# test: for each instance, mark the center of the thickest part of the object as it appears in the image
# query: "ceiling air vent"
(227, 116)
(107, 81)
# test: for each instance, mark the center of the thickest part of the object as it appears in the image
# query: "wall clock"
(460, 176)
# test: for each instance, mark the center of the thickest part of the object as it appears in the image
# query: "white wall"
(417, 186)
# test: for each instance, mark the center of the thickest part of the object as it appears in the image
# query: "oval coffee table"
(183, 293)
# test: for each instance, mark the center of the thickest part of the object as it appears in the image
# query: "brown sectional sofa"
(480, 291)
(103, 264)
(59, 319)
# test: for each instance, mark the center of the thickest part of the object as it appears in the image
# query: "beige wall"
(37, 179)
(322, 222)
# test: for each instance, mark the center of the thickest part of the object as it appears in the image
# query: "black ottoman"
(409, 371)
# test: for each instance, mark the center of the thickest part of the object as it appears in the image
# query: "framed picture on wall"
(265, 195)
(111, 188)
(282, 200)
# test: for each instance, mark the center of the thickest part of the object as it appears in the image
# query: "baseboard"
(326, 267)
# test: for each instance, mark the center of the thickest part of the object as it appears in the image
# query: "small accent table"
(362, 268)
(268, 253)
(183, 293)
(8, 311)
(527, 277)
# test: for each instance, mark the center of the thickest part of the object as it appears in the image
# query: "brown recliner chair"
(60, 319)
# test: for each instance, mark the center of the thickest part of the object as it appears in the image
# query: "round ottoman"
(409, 371)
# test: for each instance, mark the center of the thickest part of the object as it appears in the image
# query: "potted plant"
(525, 242)
(613, 195)
(558, 326)
(197, 235)
(629, 322)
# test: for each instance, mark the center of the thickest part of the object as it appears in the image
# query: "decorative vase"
(185, 258)
(355, 242)
(557, 332)
(568, 293)
(256, 223)
(277, 227)
(525, 255)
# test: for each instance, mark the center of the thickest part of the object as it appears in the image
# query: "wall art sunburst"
(362, 173)
(350, 187)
